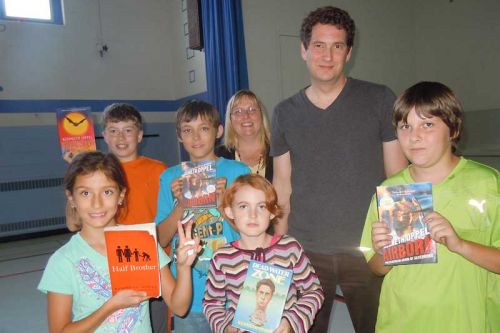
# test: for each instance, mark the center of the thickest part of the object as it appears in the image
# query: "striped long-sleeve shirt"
(228, 270)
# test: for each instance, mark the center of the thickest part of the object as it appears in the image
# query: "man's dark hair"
(327, 15)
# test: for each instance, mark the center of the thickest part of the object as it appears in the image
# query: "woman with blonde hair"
(247, 135)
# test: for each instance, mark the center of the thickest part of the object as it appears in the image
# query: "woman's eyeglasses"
(240, 112)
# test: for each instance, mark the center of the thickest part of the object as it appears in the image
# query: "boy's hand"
(284, 327)
(220, 189)
(381, 237)
(188, 247)
(442, 232)
(126, 299)
(176, 187)
(232, 329)
(69, 156)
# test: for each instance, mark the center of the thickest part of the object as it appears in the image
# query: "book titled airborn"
(199, 184)
(132, 252)
(76, 130)
(403, 208)
(262, 298)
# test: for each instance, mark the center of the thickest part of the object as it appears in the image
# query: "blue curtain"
(225, 56)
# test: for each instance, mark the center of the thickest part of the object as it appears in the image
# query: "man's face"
(326, 54)
(264, 295)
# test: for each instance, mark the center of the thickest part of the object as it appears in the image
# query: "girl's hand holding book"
(284, 327)
(232, 329)
(188, 247)
(381, 237)
(127, 299)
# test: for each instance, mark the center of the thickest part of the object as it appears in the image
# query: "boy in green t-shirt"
(459, 293)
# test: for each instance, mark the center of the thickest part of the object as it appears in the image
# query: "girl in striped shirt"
(250, 203)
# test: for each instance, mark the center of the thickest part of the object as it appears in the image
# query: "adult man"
(332, 143)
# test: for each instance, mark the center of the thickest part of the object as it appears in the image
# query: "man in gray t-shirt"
(332, 143)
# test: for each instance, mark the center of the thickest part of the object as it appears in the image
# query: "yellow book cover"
(76, 130)
(132, 252)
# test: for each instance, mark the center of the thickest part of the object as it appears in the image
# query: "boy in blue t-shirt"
(198, 127)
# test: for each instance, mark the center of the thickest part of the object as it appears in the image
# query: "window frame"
(55, 9)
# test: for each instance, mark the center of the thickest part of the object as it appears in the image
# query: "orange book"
(76, 130)
(133, 258)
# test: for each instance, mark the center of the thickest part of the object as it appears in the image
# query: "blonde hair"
(230, 136)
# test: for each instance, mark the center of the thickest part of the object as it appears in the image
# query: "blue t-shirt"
(78, 270)
(210, 226)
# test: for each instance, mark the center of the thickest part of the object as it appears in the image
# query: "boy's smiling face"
(122, 138)
(198, 138)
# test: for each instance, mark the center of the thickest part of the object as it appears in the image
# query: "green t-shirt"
(77, 269)
(453, 295)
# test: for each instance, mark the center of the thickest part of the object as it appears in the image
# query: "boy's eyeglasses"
(240, 112)
(116, 132)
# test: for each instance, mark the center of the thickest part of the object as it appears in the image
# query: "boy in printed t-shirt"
(198, 127)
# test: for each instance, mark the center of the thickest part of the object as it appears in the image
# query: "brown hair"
(328, 15)
(121, 112)
(259, 183)
(192, 110)
(431, 99)
(90, 162)
(230, 137)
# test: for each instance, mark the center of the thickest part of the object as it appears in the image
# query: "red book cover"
(76, 130)
(199, 184)
(133, 262)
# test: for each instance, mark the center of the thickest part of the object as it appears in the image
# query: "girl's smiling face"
(96, 199)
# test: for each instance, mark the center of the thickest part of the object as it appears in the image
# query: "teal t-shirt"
(77, 269)
(210, 226)
(453, 295)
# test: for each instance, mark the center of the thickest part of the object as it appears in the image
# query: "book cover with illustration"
(262, 297)
(199, 184)
(76, 130)
(133, 258)
(403, 209)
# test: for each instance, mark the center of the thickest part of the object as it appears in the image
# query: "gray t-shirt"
(337, 160)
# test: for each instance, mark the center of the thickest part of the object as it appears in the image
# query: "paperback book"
(132, 253)
(199, 184)
(262, 298)
(76, 130)
(403, 209)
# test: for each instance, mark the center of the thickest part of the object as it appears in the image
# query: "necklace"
(257, 168)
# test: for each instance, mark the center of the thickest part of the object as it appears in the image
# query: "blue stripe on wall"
(49, 105)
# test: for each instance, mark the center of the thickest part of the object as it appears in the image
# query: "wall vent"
(30, 184)
(25, 227)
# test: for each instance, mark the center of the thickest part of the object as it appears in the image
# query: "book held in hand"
(403, 209)
(199, 184)
(76, 130)
(262, 298)
(132, 253)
